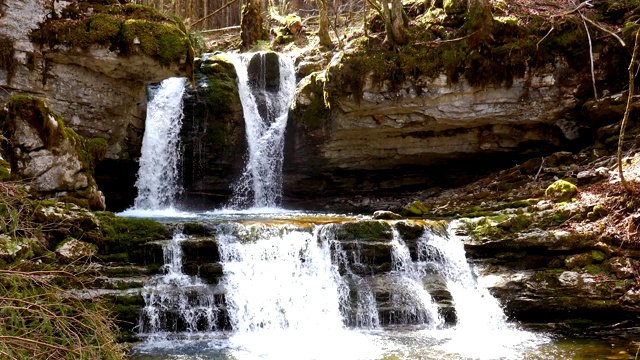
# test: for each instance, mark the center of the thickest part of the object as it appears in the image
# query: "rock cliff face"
(386, 137)
(38, 148)
(98, 89)
(213, 134)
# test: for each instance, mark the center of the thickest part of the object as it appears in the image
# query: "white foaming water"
(474, 304)
(417, 304)
(294, 292)
(176, 302)
(260, 185)
(278, 278)
(158, 173)
(158, 213)
(357, 300)
(481, 329)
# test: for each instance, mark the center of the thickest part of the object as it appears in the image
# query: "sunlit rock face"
(98, 92)
(425, 131)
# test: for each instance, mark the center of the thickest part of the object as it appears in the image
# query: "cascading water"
(175, 302)
(266, 84)
(158, 176)
(474, 304)
(280, 278)
(286, 285)
(416, 303)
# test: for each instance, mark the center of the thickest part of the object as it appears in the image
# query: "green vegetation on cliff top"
(123, 28)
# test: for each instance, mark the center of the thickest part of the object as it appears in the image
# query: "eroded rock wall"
(398, 137)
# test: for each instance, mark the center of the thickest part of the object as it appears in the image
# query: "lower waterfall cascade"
(287, 280)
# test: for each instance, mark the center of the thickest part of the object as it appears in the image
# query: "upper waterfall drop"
(266, 84)
(158, 175)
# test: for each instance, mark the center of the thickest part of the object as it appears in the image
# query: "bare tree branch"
(627, 110)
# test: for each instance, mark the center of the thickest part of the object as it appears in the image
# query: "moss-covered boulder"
(213, 132)
(124, 238)
(416, 208)
(365, 230)
(561, 191)
(58, 162)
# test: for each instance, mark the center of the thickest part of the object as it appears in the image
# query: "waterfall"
(285, 284)
(266, 84)
(176, 302)
(415, 304)
(158, 179)
(282, 279)
(473, 303)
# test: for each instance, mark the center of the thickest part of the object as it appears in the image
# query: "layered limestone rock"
(95, 86)
(387, 136)
(52, 158)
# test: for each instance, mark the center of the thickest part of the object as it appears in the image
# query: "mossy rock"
(454, 6)
(124, 29)
(5, 170)
(365, 230)
(125, 235)
(416, 208)
(310, 108)
(37, 114)
(597, 212)
(561, 191)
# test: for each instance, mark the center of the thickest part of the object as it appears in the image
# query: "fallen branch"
(544, 37)
(604, 29)
(627, 111)
(593, 75)
(438, 42)
(220, 30)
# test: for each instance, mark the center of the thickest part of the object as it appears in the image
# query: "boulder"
(54, 158)
(73, 250)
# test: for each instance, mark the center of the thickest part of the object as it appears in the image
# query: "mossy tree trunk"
(323, 28)
(479, 15)
(251, 24)
(398, 23)
(395, 23)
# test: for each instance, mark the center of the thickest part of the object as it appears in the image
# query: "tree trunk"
(398, 24)
(479, 13)
(323, 27)
(251, 24)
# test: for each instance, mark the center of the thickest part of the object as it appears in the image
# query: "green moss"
(97, 149)
(561, 191)
(416, 208)
(483, 229)
(596, 213)
(5, 170)
(367, 230)
(47, 123)
(123, 28)
(314, 112)
(598, 256)
(221, 99)
(124, 235)
(516, 223)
